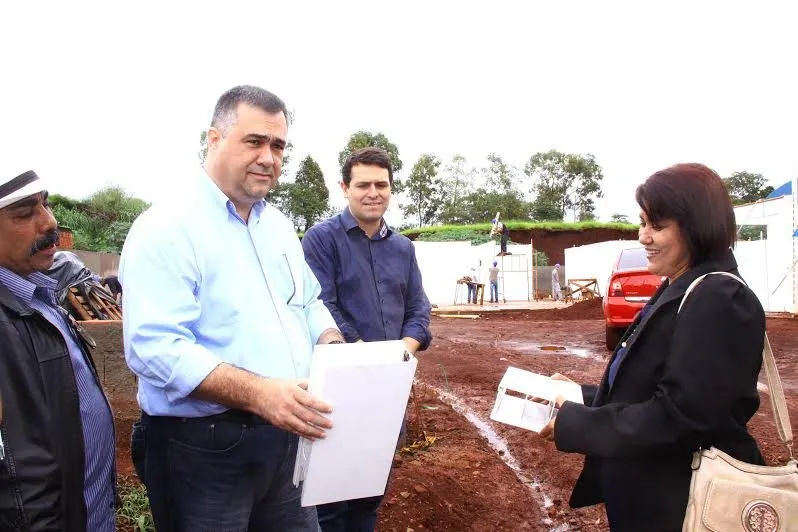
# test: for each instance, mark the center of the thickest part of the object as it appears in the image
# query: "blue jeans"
(226, 473)
(472, 293)
(494, 291)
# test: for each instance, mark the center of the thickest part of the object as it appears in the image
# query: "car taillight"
(616, 290)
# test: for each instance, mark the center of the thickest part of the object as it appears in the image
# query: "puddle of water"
(500, 445)
(534, 348)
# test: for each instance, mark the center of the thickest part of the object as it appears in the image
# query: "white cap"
(13, 189)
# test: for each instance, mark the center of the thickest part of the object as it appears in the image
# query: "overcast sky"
(96, 93)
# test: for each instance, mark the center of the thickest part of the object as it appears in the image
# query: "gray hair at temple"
(225, 113)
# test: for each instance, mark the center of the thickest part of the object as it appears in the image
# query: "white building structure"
(768, 265)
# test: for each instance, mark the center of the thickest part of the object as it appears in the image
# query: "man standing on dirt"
(221, 315)
(372, 285)
(57, 432)
(556, 293)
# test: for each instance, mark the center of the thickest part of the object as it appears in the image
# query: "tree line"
(551, 186)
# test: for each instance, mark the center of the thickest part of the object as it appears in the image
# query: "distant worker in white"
(556, 293)
(493, 277)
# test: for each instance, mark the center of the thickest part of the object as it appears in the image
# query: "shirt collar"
(220, 199)
(24, 288)
(348, 221)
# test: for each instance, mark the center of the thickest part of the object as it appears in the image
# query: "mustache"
(50, 239)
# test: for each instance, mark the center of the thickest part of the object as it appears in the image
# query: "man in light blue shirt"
(221, 315)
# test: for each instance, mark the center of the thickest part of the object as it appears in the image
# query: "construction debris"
(462, 316)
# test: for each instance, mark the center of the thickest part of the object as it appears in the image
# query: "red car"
(630, 286)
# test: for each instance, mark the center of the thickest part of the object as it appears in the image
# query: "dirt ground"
(464, 365)
(483, 476)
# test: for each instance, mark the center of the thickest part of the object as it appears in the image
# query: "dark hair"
(695, 197)
(224, 115)
(370, 156)
(113, 284)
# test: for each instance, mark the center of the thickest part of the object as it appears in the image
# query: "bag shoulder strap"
(775, 388)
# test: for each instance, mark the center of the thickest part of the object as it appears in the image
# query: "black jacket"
(688, 381)
(41, 477)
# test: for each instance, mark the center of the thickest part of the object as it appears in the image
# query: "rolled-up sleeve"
(317, 315)
(159, 275)
(417, 309)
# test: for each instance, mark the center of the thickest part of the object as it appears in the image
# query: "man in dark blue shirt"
(371, 284)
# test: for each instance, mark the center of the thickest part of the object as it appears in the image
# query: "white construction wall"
(766, 265)
(443, 263)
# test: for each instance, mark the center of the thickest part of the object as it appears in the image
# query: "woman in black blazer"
(677, 382)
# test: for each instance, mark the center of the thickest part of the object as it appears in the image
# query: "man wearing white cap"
(56, 433)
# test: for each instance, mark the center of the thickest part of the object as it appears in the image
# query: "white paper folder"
(519, 410)
(368, 385)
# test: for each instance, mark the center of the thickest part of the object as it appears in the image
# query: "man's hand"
(411, 344)
(331, 335)
(288, 405)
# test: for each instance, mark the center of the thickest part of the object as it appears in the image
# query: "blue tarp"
(783, 190)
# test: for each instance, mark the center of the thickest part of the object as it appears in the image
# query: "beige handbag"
(727, 495)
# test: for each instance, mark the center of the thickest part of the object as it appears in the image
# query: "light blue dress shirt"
(202, 287)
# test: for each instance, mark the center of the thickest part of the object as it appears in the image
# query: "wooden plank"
(107, 307)
(78, 306)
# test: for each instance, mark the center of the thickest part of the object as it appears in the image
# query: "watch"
(336, 342)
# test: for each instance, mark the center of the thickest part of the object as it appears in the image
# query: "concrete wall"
(117, 380)
(102, 264)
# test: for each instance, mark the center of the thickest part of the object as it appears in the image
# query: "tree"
(481, 206)
(308, 196)
(564, 182)
(424, 190)
(365, 139)
(546, 206)
(100, 222)
(620, 218)
(455, 184)
(746, 187)
(499, 176)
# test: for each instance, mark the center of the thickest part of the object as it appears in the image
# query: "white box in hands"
(514, 404)
(368, 385)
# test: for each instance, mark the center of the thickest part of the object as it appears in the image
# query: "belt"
(233, 415)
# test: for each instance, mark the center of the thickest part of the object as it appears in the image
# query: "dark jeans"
(226, 473)
(358, 515)
(472, 293)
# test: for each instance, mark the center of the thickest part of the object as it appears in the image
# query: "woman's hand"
(547, 432)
